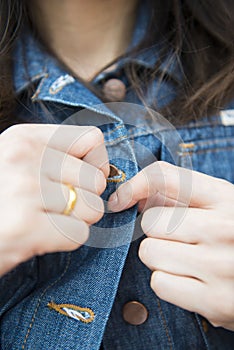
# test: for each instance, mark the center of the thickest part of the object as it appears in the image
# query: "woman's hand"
(190, 250)
(37, 161)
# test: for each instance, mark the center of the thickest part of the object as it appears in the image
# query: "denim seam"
(216, 140)
(202, 332)
(40, 299)
(131, 135)
(32, 80)
(193, 126)
(183, 154)
(146, 131)
(113, 130)
(156, 131)
(189, 145)
(38, 90)
(165, 324)
(141, 133)
(200, 125)
(113, 142)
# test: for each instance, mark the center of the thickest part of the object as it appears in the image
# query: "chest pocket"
(209, 150)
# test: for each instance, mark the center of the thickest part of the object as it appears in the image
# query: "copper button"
(114, 90)
(135, 313)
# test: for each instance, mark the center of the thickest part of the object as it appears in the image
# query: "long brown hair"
(198, 34)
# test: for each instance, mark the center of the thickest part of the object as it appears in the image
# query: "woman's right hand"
(36, 163)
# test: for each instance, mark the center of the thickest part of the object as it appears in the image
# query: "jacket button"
(114, 90)
(135, 313)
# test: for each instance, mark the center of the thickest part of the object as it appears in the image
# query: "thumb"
(178, 184)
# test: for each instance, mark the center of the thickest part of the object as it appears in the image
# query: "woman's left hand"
(190, 237)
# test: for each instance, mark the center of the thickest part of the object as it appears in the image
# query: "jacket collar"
(33, 64)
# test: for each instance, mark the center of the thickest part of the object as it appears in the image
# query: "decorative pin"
(78, 313)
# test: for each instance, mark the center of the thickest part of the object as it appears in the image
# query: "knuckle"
(226, 223)
(223, 264)
(20, 149)
(14, 129)
(31, 185)
(227, 233)
(97, 134)
(164, 164)
(17, 130)
(167, 170)
(165, 167)
(25, 184)
(19, 186)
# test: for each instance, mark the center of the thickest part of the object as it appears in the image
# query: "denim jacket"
(40, 298)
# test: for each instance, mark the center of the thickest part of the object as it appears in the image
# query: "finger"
(58, 233)
(172, 257)
(78, 141)
(52, 233)
(61, 167)
(157, 200)
(184, 292)
(183, 185)
(98, 157)
(188, 225)
(89, 207)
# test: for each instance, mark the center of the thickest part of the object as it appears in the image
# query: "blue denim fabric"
(105, 279)
(169, 327)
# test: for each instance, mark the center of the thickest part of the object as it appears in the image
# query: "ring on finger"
(72, 199)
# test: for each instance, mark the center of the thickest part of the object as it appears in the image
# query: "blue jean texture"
(104, 279)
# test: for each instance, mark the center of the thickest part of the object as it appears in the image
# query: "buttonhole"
(115, 174)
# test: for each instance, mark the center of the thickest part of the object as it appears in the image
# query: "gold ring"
(71, 200)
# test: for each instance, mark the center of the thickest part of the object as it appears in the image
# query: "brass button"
(135, 313)
(114, 90)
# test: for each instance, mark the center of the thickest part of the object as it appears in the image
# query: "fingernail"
(113, 201)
